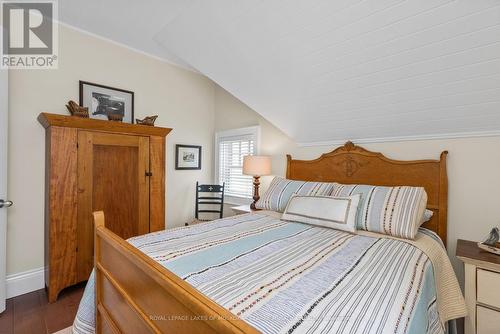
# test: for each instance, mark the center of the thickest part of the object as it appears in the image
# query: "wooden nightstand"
(482, 288)
(239, 210)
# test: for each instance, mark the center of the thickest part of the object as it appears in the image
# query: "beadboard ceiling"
(330, 70)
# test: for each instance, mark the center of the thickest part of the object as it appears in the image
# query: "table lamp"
(257, 166)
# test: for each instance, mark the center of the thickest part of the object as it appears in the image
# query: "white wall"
(183, 100)
(473, 165)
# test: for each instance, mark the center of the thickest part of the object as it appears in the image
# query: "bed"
(257, 273)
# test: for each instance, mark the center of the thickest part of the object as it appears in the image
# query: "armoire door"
(113, 176)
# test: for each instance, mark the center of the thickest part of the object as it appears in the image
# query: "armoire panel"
(113, 177)
(61, 211)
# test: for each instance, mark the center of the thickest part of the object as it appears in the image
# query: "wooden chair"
(209, 195)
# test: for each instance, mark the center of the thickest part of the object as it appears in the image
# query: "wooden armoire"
(97, 165)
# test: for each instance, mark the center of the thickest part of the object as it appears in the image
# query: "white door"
(4, 203)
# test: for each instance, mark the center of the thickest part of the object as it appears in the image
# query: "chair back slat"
(210, 188)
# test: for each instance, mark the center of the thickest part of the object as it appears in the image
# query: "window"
(231, 147)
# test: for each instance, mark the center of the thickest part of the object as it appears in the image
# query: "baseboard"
(24, 282)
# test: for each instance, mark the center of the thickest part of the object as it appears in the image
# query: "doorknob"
(5, 204)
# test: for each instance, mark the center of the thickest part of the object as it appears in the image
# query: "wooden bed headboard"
(352, 164)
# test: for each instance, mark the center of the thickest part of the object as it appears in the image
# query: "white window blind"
(233, 145)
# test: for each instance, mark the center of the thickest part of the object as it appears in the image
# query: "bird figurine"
(493, 237)
(115, 117)
(76, 110)
(148, 120)
(491, 244)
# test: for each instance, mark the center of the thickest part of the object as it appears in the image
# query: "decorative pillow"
(333, 212)
(280, 190)
(396, 211)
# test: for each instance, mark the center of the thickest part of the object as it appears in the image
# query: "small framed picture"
(106, 102)
(187, 157)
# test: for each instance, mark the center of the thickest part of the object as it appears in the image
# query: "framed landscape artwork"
(187, 157)
(106, 102)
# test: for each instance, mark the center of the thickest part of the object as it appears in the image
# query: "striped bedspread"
(284, 277)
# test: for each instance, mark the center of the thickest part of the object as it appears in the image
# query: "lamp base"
(256, 183)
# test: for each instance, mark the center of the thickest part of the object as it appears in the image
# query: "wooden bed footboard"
(135, 294)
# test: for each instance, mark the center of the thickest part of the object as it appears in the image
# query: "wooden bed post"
(99, 223)
(443, 199)
(288, 161)
(99, 219)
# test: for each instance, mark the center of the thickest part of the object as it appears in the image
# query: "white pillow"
(333, 212)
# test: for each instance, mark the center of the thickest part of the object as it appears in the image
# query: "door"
(113, 176)
(4, 203)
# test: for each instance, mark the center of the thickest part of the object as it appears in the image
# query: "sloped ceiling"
(331, 70)
(133, 23)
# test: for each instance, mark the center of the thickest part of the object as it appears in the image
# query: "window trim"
(250, 130)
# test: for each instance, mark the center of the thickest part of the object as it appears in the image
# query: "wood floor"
(32, 314)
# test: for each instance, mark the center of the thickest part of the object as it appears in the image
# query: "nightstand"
(482, 288)
(239, 210)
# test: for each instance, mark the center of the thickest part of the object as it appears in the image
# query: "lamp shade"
(256, 165)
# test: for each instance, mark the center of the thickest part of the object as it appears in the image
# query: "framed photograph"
(103, 101)
(187, 157)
